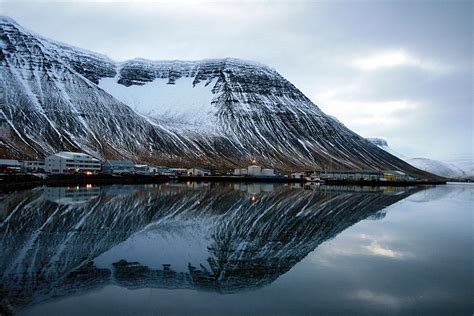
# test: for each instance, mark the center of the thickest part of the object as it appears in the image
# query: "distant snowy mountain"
(222, 112)
(440, 168)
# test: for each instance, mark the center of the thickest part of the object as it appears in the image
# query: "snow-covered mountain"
(225, 112)
(440, 168)
(168, 236)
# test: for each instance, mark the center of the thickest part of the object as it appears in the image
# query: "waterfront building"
(32, 166)
(10, 164)
(268, 172)
(254, 170)
(163, 171)
(118, 166)
(198, 172)
(352, 175)
(179, 171)
(71, 162)
(395, 175)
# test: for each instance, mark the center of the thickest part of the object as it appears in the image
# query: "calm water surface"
(237, 249)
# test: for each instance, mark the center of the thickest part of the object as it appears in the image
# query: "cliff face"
(224, 112)
(56, 244)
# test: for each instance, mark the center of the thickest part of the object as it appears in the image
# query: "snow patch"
(181, 102)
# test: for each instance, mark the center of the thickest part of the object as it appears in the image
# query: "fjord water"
(237, 249)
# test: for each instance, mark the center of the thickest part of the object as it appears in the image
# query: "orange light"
(253, 198)
(88, 173)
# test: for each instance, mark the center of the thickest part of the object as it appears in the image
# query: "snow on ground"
(176, 103)
(458, 168)
(465, 164)
(440, 168)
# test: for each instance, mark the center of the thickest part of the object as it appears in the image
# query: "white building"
(32, 165)
(254, 170)
(198, 172)
(69, 162)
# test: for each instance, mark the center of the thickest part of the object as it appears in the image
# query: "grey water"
(237, 249)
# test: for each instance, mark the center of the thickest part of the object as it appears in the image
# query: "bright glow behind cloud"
(390, 59)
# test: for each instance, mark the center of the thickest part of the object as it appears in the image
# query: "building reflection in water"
(71, 194)
(221, 240)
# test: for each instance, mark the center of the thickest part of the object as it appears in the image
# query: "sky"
(402, 71)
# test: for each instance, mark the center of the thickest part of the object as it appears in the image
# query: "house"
(32, 166)
(11, 164)
(118, 166)
(198, 172)
(71, 162)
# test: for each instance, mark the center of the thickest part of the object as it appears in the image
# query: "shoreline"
(24, 182)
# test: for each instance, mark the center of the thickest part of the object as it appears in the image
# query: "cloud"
(363, 245)
(377, 250)
(381, 299)
(394, 58)
(366, 115)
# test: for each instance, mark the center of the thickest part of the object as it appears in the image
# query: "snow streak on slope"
(222, 112)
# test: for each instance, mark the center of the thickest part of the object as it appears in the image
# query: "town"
(75, 163)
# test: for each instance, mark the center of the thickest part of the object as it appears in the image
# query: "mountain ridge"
(54, 101)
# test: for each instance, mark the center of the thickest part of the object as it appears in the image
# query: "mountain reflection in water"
(226, 238)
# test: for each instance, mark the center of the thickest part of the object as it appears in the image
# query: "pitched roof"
(120, 163)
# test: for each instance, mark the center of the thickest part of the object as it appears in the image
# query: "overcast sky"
(401, 70)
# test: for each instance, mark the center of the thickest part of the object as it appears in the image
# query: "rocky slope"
(224, 112)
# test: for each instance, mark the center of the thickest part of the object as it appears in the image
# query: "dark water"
(237, 249)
